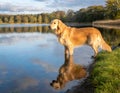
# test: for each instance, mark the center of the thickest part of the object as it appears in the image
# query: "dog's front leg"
(71, 50)
(66, 50)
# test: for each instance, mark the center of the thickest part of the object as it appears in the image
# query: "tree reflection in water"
(43, 29)
(111, 35)
(67, 72)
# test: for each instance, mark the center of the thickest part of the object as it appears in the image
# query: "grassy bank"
(105, 76)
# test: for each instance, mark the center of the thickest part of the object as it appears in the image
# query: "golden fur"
(72, 37)
(67, 72)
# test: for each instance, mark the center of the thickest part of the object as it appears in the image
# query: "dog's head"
(54, 24)
(57, 25)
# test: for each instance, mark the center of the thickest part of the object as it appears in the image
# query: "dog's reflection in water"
(67, 72)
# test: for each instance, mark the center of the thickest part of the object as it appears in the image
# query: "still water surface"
(31, 61)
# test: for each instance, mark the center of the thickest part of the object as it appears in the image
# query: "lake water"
(33, 61)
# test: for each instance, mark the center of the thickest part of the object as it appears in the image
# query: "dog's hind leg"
(95, 48)
(94, 42)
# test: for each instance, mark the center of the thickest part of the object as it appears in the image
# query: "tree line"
(92, 13)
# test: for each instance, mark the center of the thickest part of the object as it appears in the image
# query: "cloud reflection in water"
(30, 61)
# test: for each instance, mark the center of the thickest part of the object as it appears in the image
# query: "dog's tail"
(105, 46)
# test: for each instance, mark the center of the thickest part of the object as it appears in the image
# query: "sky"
(44, 6)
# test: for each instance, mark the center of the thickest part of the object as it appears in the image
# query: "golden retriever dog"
(72, 37)
(67, 72)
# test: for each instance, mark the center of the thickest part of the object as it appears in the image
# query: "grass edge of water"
(105, 76)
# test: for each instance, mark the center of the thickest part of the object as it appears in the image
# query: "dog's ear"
(59, 25)
(58, 31)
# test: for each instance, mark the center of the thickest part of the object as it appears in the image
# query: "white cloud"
(47, 67)
(7, 7)
(25, 83)
(76, 3)
(38, 6)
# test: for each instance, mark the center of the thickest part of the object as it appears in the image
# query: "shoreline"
(110, 24)
(86, 86)
(90, 85)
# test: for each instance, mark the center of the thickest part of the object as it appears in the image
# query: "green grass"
(105, 76)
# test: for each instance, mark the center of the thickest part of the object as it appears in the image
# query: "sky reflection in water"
(30, 61)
